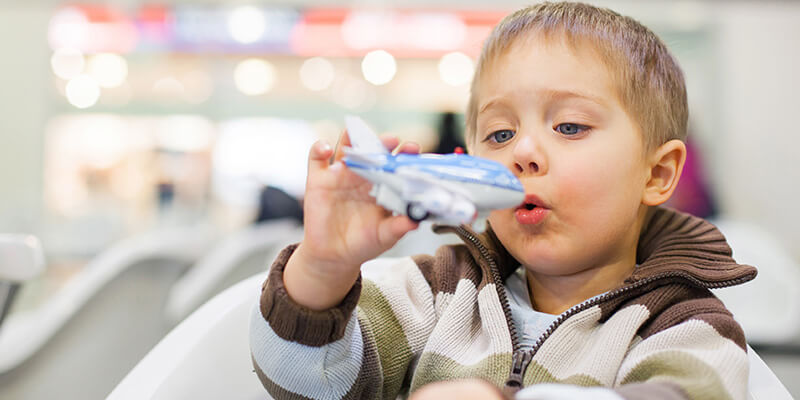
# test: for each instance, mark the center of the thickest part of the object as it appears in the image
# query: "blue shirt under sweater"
(531, 324)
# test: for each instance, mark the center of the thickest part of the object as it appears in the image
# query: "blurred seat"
(24, 333)
(21, 259)
(762, 384)
(207, 356)
(768, 307)
(209, 274)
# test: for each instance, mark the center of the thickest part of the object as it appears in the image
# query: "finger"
(318, 156)
(409, 147)
(390, 142)
(344, 141)
(394, 228)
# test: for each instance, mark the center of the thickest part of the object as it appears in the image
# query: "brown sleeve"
(293, 322)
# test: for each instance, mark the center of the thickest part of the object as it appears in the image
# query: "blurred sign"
(225, 30)
(404, 33)
(270, 30)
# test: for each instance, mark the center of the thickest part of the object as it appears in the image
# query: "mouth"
(532, 211)
(531, 202)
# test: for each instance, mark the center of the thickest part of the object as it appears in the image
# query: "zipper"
(521, 359)
(519, 363)
(515, 378)
(498, 284)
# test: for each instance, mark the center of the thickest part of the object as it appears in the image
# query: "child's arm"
(306, 338)
(338, 353)
(343, 229)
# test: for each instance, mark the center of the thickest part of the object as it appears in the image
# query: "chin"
(525, 243)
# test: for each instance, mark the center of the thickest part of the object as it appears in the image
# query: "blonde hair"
(649, 81)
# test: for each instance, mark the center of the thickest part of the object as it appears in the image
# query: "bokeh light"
(83, 91)
(317, 73)
(108, 69)
(67, 62)
(254, 76)
(246, 24)
(69, 27)
(379, 67)
(456, 69)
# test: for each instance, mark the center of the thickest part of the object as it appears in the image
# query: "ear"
(666, 164)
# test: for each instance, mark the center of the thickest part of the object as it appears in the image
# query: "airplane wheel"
(415, 212)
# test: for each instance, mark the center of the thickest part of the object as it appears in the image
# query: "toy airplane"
(451, 189)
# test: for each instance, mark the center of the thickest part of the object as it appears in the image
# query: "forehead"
(548, 64)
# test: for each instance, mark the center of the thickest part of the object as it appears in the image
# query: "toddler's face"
(550, 113)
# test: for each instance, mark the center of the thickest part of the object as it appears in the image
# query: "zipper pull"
(519, 363)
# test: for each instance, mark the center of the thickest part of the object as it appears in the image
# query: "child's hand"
(462, 390)
(344, 228)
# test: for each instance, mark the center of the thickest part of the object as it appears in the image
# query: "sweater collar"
(671, 243)
(675, 241)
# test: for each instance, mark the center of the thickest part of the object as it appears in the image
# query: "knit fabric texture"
(416, 320)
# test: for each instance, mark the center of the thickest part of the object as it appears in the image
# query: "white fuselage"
(447, 200)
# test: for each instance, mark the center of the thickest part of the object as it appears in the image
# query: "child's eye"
(501, 136)
(570, 129)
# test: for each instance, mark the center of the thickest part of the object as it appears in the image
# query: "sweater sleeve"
(703, 357)
(337, 353)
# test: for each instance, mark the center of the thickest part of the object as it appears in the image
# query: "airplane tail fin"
(362, 138)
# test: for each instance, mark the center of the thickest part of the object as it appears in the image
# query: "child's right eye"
(501, 136)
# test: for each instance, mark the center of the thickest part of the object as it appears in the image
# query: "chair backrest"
(25, 333)
(200, 282)
(21, 257)
(753, 304)
(207, 356)
(762, 384)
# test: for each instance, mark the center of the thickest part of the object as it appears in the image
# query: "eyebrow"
(551, 95)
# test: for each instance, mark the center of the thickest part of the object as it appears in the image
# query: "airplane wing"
(364, 160)
(362, 139)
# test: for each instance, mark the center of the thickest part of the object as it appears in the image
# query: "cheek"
(603, 186)
(498, 218)
(581, 183)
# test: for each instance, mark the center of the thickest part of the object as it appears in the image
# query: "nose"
(529, 158)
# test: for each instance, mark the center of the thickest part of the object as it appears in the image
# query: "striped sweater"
(411, 321)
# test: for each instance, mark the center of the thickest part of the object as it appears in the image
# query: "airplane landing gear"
(416, 212)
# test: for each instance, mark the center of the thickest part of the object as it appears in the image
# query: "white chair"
(207, 356)
(205, 276)
(24, 333)
(21, 259)
(753, 304)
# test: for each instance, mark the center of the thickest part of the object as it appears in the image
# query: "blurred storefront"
(172, 114)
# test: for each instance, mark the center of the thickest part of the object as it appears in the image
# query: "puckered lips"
(531, 211)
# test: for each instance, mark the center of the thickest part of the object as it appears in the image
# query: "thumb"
(394, 228)
(319, 156)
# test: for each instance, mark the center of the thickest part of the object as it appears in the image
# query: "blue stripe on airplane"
(458, 167)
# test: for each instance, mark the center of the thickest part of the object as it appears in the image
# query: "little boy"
(586, 290)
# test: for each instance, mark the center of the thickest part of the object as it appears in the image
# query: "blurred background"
(182, 123)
